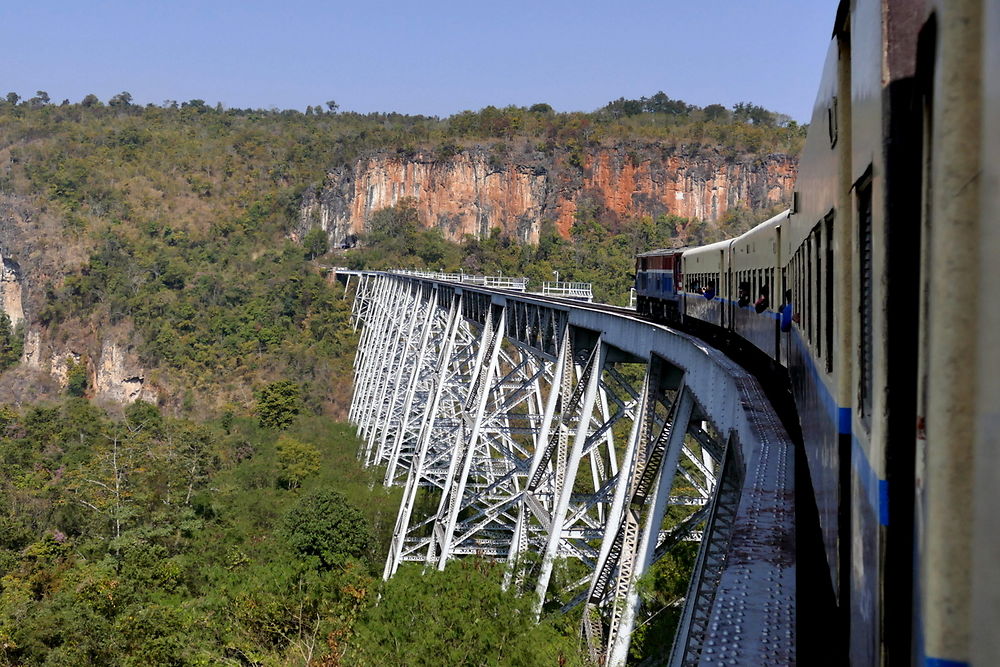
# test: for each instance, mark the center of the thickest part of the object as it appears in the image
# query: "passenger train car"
(656, 283)
(876, 295)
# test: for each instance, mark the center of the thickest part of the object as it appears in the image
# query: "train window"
(864, 194)
(831, 121)
(828, 230)
(802, 290)
(818, 247)
(796, 294)
(793, 275)
(809, 290)
(799, 292)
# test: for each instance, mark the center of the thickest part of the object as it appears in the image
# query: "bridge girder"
(542, 433)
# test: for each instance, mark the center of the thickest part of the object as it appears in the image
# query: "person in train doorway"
(786, 312)
(761, 304)
(709, 292)
(744, 298)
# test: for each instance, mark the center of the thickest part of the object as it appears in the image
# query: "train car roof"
(770, 222)
(725, 243)
(718, 245)
(662, 251)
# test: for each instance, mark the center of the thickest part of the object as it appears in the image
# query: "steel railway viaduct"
(581, 439)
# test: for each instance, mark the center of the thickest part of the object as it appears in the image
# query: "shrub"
(323, 525)
(278, 404)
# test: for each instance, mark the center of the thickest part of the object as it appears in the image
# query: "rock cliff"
(476, 190)
(32, 257)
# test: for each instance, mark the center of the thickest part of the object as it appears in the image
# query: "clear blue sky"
(434, 57)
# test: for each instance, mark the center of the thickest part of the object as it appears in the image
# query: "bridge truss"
(578, 444)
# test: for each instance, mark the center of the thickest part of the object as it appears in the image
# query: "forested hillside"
(175, 486)
(152, 245)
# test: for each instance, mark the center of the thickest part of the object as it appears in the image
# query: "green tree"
(122, 99)
(753, 113)
(11, 342)
(716, 112)
(661, 588)
(297, 460)
(40, 100)
(111, 483)
(324, 526)
(278, 403)
(315, 242)
(466, 618)
(76, 378)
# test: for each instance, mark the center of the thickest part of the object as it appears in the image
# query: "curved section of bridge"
(579, 443)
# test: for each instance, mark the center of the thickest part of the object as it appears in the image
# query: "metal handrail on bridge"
(571, 290)
(518, 284)
(565, 289)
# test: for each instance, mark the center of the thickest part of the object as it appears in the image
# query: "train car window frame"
(794, 268)
(866, 298)
(831, 121)
(808, 310)
(828, 222)
(820, 290)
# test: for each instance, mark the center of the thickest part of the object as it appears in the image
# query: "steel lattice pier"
(555, 436)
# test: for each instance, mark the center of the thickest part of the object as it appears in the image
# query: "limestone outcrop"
(477, 190)
(119, 377)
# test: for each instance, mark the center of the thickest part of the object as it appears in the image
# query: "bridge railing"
(515, 283)
(569, 290)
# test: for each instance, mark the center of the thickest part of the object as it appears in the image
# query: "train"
(873, 302)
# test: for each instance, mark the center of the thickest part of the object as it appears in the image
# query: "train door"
(903, 237)
(728, 306)
(777, 291)
(925, 75)
(719, 288)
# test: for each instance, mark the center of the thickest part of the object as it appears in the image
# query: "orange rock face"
(474, 192)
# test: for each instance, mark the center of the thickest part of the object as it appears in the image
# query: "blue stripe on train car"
(844, 421)
(883, 502)
(876, 489)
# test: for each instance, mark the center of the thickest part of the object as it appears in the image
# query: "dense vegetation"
(231, 524)
(146, 540)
